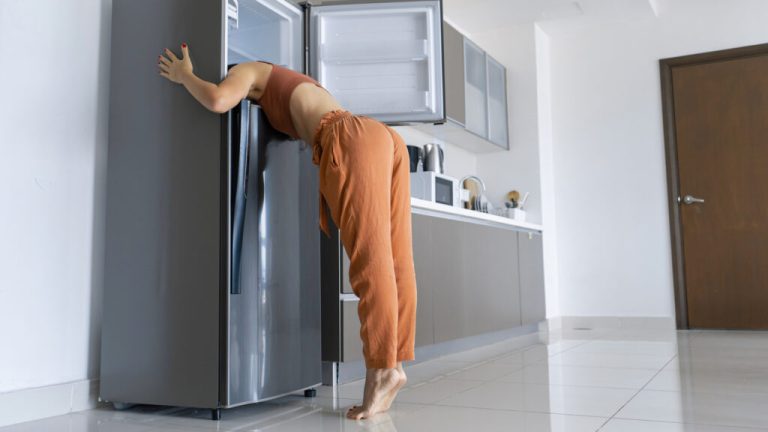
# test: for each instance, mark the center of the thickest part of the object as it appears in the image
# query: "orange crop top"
(276, 98)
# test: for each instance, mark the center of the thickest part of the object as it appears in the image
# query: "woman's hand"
(218, 98)
(173, 68)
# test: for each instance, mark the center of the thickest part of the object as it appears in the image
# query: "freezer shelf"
(354, 52)
(370, 102)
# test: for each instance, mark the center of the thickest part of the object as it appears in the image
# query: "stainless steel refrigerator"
(212, 295)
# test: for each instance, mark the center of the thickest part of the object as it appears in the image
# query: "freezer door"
(383, 60)
(274, 328)
(271, 30)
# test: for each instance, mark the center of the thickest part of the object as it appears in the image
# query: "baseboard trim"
(24, 405)
(565, 323)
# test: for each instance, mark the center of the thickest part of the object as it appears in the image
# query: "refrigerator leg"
(120, 406)
(216, 414)
(310, 393)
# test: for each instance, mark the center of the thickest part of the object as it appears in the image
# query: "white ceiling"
(473, 16)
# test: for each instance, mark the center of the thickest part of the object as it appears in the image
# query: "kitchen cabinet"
(471, 279)
(531, 256)
(475, 97)
(476, 289)
(497, 102)
(451, 320)
(475, 89)
(352, 345)
(422, 259)
(422, 251)
(490, 281)
(346, 287)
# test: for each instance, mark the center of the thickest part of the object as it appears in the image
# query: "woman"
(364, 182)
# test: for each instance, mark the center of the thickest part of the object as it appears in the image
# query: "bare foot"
(392, 393)
(378, 384)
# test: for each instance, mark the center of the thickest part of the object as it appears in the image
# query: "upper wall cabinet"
(497, 102)
(475, 97)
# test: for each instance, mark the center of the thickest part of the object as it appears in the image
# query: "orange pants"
(365, 181)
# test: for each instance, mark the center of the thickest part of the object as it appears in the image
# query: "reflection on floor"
(615, 381)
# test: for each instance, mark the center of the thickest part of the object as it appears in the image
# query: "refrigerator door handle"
(240, 117)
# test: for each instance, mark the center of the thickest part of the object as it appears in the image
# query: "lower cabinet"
(475, 283)
(351, 344)
(446, 276)
(471, 279)
(422, 253)
(491, 283)
(532, 277)
(352, 348)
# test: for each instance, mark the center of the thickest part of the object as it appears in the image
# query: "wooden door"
(719, 134)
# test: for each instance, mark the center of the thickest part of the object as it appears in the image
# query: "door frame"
(670, 143)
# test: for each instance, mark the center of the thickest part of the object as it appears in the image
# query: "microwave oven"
(435, 187)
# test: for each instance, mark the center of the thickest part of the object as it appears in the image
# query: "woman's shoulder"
(257, 66)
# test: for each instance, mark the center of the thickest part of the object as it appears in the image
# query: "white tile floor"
(633, 381)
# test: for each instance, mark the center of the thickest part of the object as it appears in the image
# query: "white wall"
(608, 148)
(547, 174)
(457, 161)
(53, 84)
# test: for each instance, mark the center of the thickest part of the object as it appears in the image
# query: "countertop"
(429, 208)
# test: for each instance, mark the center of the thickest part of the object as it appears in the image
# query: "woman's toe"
(353, 412)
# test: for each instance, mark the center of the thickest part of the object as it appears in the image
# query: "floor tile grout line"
(519, 410)
(637, 393)
(739, 428)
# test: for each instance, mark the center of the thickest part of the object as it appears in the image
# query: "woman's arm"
(217, 98)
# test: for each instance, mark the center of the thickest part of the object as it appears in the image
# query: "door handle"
(690, 199)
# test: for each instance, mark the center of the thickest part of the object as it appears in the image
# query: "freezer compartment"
(383, 60)
(270, 30)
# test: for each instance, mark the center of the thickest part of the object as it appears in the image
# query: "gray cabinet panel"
(352, 346)
(422, 257)
(492, 290)
(532, 278)
(346, 287)
(447, 278)
(468, 282)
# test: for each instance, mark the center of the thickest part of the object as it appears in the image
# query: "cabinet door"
(532, 278)
(271, 30)
(497, 102)
(446, 278)
(346, 287)
(492, 300)
(475, 89)
(383, 60)
(352, 345)
(422, 258)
